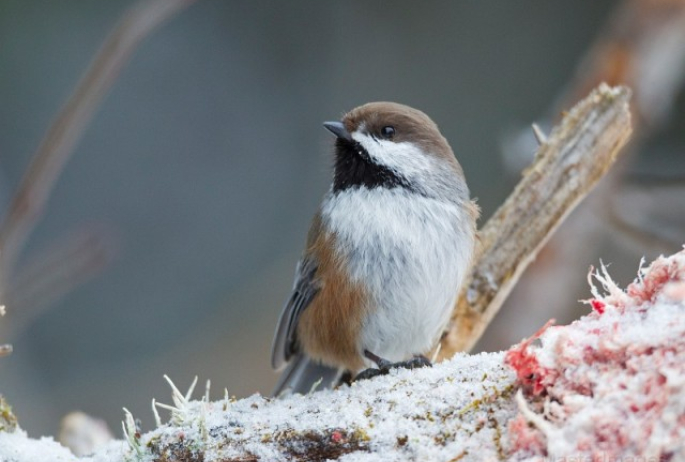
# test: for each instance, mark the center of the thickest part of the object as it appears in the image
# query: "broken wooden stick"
(568, 164)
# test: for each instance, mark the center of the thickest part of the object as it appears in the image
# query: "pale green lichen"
(8, 422)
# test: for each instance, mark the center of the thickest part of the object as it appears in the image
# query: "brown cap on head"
(410, 125)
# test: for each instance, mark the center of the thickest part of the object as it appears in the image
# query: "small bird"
(385, 255)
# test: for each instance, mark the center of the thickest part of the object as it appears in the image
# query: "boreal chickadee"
(385, 255)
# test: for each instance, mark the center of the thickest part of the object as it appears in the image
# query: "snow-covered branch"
(610, 386)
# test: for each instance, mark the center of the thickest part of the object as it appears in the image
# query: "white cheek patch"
(404, 158)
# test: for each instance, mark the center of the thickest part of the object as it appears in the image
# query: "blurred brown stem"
(568, 164)
(43, 280)
(69, 125)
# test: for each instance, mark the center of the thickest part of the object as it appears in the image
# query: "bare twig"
(5, 350)
(540, 136)
(647, 181)
(68, 263)
(577, 154)
(642, 236)
(70, 123)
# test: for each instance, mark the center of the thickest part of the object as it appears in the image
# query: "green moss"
(368, 411)
(8, 422)
(497, 438)
(321, 445)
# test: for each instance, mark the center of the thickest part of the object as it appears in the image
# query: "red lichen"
(661, 272)
(525, 363)
(598, 305)
(525, 437)
(336, 436)
(610, 386)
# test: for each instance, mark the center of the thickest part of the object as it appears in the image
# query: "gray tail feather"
(302, 373)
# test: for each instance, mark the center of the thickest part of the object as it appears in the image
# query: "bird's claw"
(385, 367)
(370, 373)
(415, 363)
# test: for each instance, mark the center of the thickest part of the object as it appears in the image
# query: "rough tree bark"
(641, 46)
(568, 164)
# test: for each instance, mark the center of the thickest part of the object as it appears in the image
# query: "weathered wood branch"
(641, 46)
(575, 156)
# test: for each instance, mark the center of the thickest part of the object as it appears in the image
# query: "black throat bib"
(355, 168)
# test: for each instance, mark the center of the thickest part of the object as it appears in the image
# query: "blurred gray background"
(203, 166)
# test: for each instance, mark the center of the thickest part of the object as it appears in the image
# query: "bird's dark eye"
(388, 132)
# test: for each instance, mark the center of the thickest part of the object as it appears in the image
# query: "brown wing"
(305, 289)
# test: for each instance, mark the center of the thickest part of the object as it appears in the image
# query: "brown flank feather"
(330, 326)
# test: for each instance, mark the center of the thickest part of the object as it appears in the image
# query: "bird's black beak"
(338, 129)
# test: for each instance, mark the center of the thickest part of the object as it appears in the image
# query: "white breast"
(411, 253)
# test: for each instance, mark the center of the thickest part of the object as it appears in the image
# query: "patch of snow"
(457, 407)
(609, 386)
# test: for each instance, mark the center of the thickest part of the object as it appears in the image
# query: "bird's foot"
(416, 362)
(369, 373)
(385, 366)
